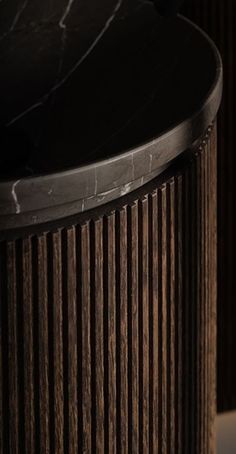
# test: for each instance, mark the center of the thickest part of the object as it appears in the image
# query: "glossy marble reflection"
(80, 78)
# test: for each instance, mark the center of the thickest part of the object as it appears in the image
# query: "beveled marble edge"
(35, 200)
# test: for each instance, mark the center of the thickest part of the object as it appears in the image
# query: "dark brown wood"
(122, 322)
(218, 19)
(41, 264)
(86, 397)
(110, 317)
(28, 346)
(108, 324)
(71, 359)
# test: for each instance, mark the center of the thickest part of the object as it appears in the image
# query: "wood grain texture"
(218, 19)
(108, 325)
(42, 343)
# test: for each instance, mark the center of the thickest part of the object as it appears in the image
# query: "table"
(108, 239)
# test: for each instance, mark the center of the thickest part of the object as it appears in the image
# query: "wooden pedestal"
(108, 322)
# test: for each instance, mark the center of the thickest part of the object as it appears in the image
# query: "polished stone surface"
(95, 101)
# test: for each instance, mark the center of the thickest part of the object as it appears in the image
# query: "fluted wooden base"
(108, 323)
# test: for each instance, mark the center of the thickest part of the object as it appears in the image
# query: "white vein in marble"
(150, 162)
(83, 206)
(59, 84)
(125, 189)
(133, 167)
(18, 15)
(32, 26)
(65, 14)
(15, 197)
(90, 49)
(22, 114)
(96, 182)
(63, 26)
(15, 20)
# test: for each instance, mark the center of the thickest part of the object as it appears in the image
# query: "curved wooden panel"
(108, 324)
(218, 19)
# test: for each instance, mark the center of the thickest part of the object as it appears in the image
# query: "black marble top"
(95, 101)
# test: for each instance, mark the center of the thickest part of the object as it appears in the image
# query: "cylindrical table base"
(107, 340)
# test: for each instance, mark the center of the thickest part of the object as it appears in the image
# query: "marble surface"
(43, 45)
(95, 99)
(76, 74)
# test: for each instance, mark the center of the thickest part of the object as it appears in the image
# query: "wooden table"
(108, 248)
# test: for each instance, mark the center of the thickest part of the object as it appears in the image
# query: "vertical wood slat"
(28, 347)
(193, 308)
(163, 318)
(206, 298)
(133, 337)
(57, 342)
(72, 342)
(212, 357)
(144, 441)
(112, 371)
(172, 315)
(201, 293)
(118, 325)
(43, 336)
(123, 332)
(12, 349)
(99, 337)
(186, 307)
(179, 311)
(155, 320)
(86, 347)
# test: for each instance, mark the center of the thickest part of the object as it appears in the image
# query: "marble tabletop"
(96, 97)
